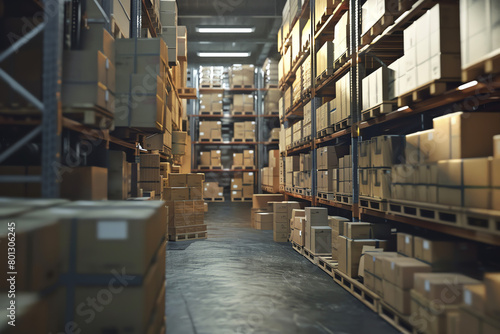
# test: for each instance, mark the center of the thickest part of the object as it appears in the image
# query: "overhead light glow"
(468, 85)
(223, 54)
(225, 30)
(403, 108)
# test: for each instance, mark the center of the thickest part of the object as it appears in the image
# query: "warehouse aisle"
(241, 281)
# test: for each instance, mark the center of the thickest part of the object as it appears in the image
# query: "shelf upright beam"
(51, 81)
(260, 129)
(135, 18)
(192, 124)
(314, 171)
(354, 22)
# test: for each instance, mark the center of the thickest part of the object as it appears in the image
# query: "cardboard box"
(359, 230)
(176, 193)
(238, 159)
(492, 286)
(444, 252)
(260, 201)
(349, 253)
(177, 180)
(433, 286)
(264, 220)
(475, 297)
(248, 178)
(374, 262)
(396, 297)
(400, 270)
(321, 240)
(405, 244)
(85, 183)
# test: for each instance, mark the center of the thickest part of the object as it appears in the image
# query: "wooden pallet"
(378, 110)
(214, 199)
(430, 212)
(268, 86)
(394, 318)
(327, 264)
(299, 249)
(298, 57)
(219, 167)
(327, 196)
(243, 140)
(217, 140)
(299, 191)
(187, 229)
(343, 198)
(321, 20)
(385, 21)
(481, 220)
(312, 257)
(94, 117)
(325, 132)
(358, 290)
(241, 86)
(242, 113)
(241, 199)
(188, 236)
(376, 204)
(425, 91)
(217, 113)
(489, 65)
(205, 112)
(324, 76)
(340, 61)
(242, 167)
(344, 124)
(282, 188)
(187, 93)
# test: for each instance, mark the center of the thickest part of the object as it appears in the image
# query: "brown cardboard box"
(433, 286)
(238, 159)
(195, 193)
(444, 252)
(400, 270)
(264, 221)
(261, 200)
(37, 255)
(374, 262)
(321, 240)
(405, 244)
(176, 193)
(236, 184)
(177, 180)
(475, 297)
(496, 146)
(349, 252)
(280, 236)
(85, 183)
(248, 190)
(396, 297)
(280, 207)
(248, 178)
(492, 285)
(194, 180)
(466, 135)
(236, 193)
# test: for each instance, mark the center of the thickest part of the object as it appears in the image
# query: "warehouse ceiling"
(263, 15)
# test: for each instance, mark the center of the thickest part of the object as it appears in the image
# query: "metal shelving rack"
(417, 113)
(259, 145)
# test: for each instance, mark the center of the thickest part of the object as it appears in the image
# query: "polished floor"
(240, 281)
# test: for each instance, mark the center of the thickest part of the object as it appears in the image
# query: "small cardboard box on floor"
(260, 203)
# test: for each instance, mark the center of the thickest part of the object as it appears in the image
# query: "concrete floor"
(240, 281)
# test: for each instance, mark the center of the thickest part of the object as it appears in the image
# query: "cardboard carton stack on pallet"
(213, 192)
(211, 104)
(271, 76)
(244, 131)
(78, 248)
(210, 131)
(241, 188)
(243, 104)
(297, 226)
(270, 175)
(261, 204)
(282, 213)
(327, 163)
(211, 76)
(151, 179)
(336, 223)
(184, 197)
(317, 233)
(271, 101)
(242, 76)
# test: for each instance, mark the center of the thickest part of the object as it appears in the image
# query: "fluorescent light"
(225, 30)
(403, 108)
(224, 54)
(468, 85)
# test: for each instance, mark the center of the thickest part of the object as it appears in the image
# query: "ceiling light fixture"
(225, 30)
(403, 108)
(468, 85)
(224, 54)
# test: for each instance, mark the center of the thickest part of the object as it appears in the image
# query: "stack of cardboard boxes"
(271, 75)
(262, 203)
(211, 104)
(211, 76)
(184, 196)
(455, 158)
(282, 213)
(243, 104)
(271, 101)
(302, 178)
(323, 113)
(168, 17)
(297, 226)
(297, 87)
(274, 135)
(307, 122)
(244, 131)
(241, 76)
(341, 41)
(378, 88)
(210, 159)
(148, 110)
(212, 191)
(317, 233)
(270, 175)
(292, 165)
(182, 44)
(210, 131)
(336, 223)
(345, 175)
(327, 163)
(376, 157)
(354, 239)
(77, 248)
(342, 102)
(245, 159)
(324, 61)
(241, 191)
(119, 176)
(306, 74)
(179, 142)
(151, 179)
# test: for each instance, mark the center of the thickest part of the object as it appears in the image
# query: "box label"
(117, 230)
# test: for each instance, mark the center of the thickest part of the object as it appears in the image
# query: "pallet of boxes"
(262, 211)
(421, 287)
(68, 251)
(270, 175)
(242, 188)
(184, 197)
(282, 213)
